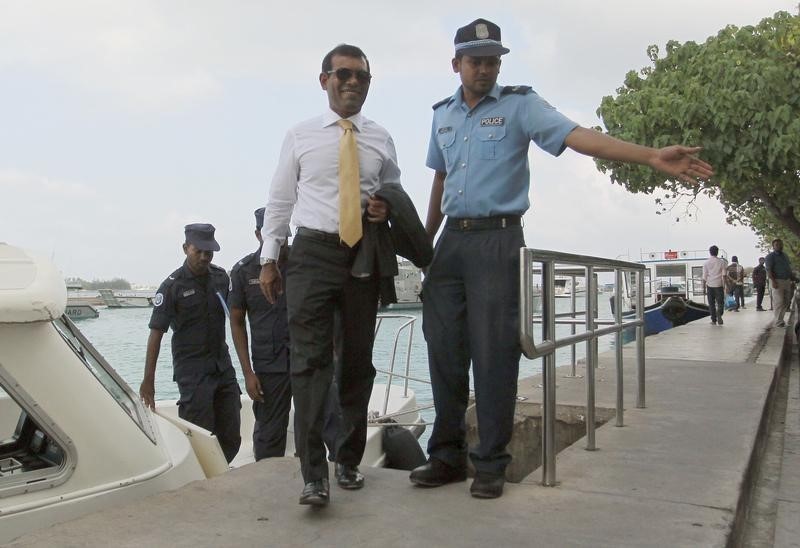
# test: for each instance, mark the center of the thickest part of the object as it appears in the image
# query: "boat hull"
(664, 315)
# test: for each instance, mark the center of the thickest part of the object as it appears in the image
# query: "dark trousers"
(470, 314)
(759, 295)
(318, 283)
(272, 415)
(738, 296)
(214, 403)
(716, 302)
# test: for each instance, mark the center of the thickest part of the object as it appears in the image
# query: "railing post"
(618, 345)
(549, 376)
(640, 372)
(573, 299)
(591, 359)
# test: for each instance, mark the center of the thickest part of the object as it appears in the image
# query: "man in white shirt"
(316, 158)
(714, 278)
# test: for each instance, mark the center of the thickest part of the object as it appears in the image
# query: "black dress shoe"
(315, 493)
(348, 476)
(435, 473)
(486, 486)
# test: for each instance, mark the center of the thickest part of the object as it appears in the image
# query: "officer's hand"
(377, 210)
(680, 162)
(270, 282)
(253, 386)
(147, 392)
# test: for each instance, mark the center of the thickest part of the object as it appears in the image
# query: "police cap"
(481, 38)
(201, 235)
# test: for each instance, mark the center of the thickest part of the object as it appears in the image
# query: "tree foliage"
(738, 96)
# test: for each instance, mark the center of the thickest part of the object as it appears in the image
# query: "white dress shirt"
(305, 187)
(714, 272)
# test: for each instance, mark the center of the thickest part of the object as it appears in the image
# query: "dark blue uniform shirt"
(269, 329)
(193, 307)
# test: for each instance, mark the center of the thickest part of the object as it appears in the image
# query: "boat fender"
(673, 309)
(401, 448)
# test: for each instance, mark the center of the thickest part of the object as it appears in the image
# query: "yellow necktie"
(350, 231)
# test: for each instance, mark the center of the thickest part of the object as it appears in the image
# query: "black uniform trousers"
(471, 313)
(318, 282)
(272, 416)
(213, 402)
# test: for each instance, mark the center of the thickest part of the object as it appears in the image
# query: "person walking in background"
(714, 278)
(478, 150)
(734, 276)
(191, 301)
(267, 376)
(759, 276)
(780, 274)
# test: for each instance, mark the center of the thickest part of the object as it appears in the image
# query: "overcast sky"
(122, 121)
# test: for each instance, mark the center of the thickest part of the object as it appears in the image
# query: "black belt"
(327, 237)
(483, 223)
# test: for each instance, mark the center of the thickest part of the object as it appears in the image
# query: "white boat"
(407, 286)
(81, 311)
(74, 437)
(674, 293)
(119, 300)
(565, 286)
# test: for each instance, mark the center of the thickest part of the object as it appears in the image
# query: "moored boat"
(674, 290)
(74, 437)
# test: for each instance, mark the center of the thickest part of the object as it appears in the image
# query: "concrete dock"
(677, 474)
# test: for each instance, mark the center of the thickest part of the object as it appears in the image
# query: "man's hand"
(253, 386)
(270, 281)
(377, 210)
(147, 392)
(679, 161)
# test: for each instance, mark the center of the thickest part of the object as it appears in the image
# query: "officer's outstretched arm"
(147, 390)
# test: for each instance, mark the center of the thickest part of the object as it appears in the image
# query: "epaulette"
(244, 261)
(520, 90)
(174, 276)
(440, 103)
(217, 268)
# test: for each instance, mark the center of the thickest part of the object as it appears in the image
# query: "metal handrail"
(588, 267)
(408, 324)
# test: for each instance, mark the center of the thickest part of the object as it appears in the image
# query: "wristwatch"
(264, 260)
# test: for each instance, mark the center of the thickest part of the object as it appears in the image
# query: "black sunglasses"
(344, 74)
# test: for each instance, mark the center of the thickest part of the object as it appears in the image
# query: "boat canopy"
(31, 288)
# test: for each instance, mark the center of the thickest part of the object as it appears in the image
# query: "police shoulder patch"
(158, 300)
(520, 90)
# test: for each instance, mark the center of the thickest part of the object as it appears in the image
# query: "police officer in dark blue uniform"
(479, 151)
(267, 380)
(191, 301)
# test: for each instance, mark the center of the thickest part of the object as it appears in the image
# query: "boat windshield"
(106, 374)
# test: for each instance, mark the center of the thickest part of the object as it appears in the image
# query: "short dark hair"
(345, 50)
(714, 250)
(776, 240)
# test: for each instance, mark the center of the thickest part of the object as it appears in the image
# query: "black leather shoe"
(315, 493)
(486, 486)
(435, 473)
(348, 476)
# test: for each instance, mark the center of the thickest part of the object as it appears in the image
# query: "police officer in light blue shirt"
(479, 152)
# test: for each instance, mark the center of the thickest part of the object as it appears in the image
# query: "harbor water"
(120, 335)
